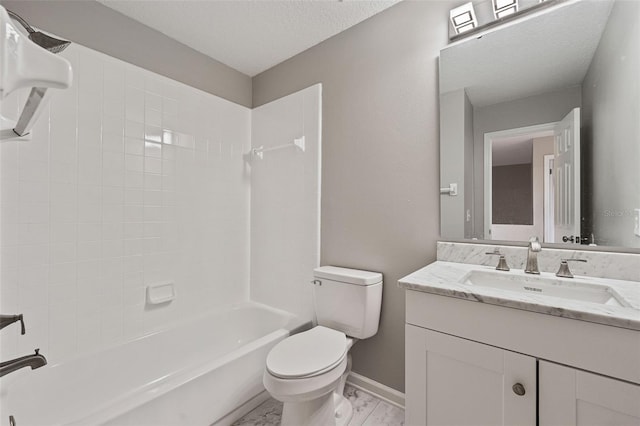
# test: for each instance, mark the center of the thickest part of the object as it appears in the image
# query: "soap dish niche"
(160, 293)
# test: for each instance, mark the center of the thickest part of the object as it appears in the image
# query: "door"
(575, 397)
(549, 187)
(567, 178)
(454, 381)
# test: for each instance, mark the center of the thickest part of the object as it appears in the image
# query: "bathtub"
(195, 373)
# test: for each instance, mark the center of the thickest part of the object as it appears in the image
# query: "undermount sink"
(545, 285)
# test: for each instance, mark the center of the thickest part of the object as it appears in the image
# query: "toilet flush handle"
(316, 282)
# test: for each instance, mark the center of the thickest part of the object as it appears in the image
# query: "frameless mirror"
(540, 128)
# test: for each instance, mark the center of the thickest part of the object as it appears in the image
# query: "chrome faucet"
(532, 256)
(6, 320)
(33, 361)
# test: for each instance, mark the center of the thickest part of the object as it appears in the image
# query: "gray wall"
(512, 194)
(468, 167)
(380, 167)
(540, 109)
(96, 26)
(456, 129)
(611, 129)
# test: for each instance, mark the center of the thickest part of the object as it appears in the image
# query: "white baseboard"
(376, 389)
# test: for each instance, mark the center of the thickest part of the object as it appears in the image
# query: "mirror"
(540, 128)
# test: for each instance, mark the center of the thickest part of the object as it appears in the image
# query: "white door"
(549, 188)
(567, 178)
(454, 381)
(574, 397)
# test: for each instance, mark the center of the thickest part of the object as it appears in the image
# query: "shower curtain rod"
(299, 143)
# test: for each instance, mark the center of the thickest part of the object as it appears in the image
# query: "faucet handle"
(502, 261)
(564, 271)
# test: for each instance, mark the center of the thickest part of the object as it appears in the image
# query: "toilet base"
(343, 410)
(330, 409)
(316, 412)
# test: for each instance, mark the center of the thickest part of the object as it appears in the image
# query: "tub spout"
(34, 361)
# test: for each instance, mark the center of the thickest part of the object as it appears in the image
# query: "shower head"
(52, 44)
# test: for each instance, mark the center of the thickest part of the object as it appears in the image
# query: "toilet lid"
(306, 354)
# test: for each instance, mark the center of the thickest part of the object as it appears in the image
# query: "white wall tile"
(285, 202)
(88, 208)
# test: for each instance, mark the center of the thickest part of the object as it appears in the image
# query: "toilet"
(308, 371)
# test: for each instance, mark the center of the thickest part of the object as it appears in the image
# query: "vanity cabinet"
(480, 364)
(569, 396)
(453, 381)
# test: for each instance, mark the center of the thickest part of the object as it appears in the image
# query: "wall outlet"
(636, 221)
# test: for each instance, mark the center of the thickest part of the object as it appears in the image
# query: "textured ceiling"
(249, 35)
(540, 54)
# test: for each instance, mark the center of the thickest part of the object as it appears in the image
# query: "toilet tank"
(348, 300)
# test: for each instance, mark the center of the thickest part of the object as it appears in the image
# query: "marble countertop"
(447, 279)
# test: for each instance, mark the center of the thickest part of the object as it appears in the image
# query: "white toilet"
(307, 371)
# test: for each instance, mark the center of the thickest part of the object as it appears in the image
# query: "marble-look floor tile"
(268, 413)
(385, 414)
(363, 404)
(367, 411)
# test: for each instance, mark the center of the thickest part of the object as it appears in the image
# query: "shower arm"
(22, 22)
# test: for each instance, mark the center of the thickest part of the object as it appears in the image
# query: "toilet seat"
(307, 354)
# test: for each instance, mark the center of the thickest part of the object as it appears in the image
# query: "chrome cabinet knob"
(518, 389)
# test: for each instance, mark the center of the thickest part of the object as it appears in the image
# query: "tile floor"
(367, 411)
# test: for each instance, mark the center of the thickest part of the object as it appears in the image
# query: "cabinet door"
(574, 397)
(453, 381)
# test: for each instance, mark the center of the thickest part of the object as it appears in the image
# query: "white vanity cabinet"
(454, 381)
(569, 396)
(471, 363)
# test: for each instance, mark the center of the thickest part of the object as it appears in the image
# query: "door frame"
(535, 131)
(549, 200)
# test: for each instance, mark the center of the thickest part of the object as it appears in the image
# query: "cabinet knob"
(518, 389)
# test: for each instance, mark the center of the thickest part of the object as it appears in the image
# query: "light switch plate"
(636, 221)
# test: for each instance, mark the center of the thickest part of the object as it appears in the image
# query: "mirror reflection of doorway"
(549, 198)
(532, 182)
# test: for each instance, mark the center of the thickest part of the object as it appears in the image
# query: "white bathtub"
(193, 374)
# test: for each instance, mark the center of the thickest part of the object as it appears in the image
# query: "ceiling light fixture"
(463, 18)
(502, 8)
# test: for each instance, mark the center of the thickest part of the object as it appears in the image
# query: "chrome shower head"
(52, 44)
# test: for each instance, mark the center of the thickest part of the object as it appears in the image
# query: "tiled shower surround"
(129, 179)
